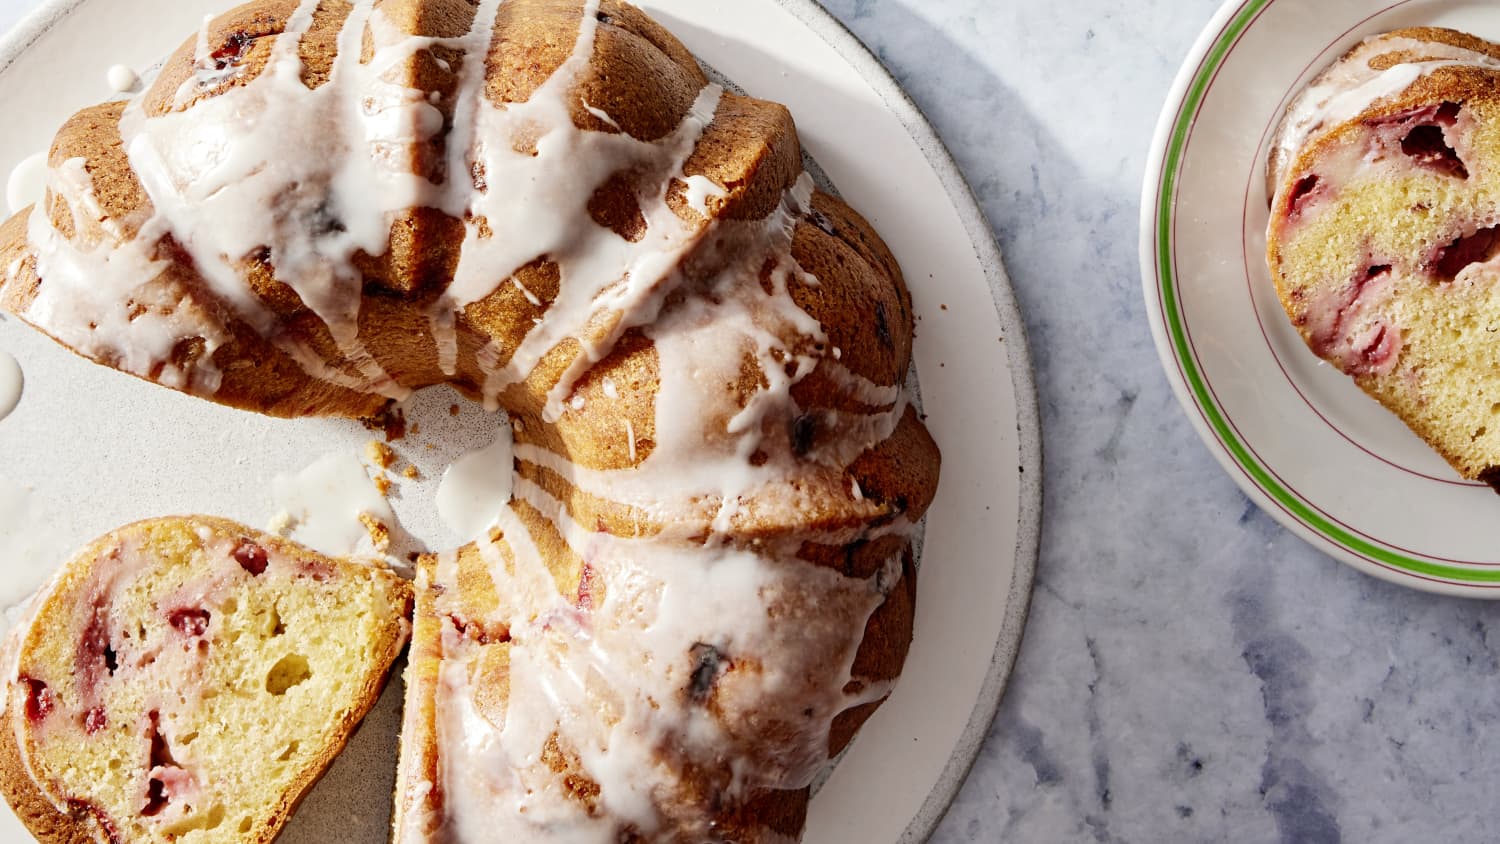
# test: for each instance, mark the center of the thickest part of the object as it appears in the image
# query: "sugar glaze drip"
(11, 382)
(1346, 89)
(27, 182)
(692, 611)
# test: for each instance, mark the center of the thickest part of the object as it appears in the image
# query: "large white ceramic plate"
(100, 449)
(1297, 435)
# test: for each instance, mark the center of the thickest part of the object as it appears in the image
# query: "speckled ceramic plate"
(99, 449)
(1296, 434)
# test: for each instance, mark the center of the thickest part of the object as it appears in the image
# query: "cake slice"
(1384, 236)
(188, 680)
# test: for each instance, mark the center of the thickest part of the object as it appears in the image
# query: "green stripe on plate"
(1172, 312)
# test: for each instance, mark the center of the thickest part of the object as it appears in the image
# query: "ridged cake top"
(665, 624)
(306, 178)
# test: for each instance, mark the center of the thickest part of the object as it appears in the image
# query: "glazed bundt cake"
(704, 582)
(1385, 227)
(187, 680)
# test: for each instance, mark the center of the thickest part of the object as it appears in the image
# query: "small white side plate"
(1297, 435)
(101, 449)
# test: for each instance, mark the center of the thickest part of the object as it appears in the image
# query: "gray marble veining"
(1191, 671)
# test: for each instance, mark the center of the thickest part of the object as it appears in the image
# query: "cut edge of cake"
(57, 814)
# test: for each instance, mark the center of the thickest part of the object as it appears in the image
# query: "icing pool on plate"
(27, 182)
(11, 382)
(122, 79)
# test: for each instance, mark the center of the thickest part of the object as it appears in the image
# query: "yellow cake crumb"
(379, 454)
(380, 535)
(291, 650)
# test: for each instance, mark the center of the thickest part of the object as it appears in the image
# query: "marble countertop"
(1191, 671)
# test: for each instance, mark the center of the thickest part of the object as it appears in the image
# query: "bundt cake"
(704, 582)
(1385, 227)
(187, 680)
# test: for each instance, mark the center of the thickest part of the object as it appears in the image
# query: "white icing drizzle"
(692, 610)
(321, 506)
(862, 389)
(121, 78)
(213, 170)
(27, 183)
(603, 116)
(31, 544)
(1349, 87)
(612, 682)
(699, 190)
(601, 272)
(105, 296)
(579, 676)
(475, 487)
(11, 383)
(530, 297)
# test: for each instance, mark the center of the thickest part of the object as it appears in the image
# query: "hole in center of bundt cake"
(1477, 248)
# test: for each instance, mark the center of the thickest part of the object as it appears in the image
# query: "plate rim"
(1029, 504)
(1183, 104)
(1023, 378)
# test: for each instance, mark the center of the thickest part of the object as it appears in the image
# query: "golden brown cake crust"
(86, 820)
(854, 467)
(1432, 379)
(1378, 52)
(40, 817)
